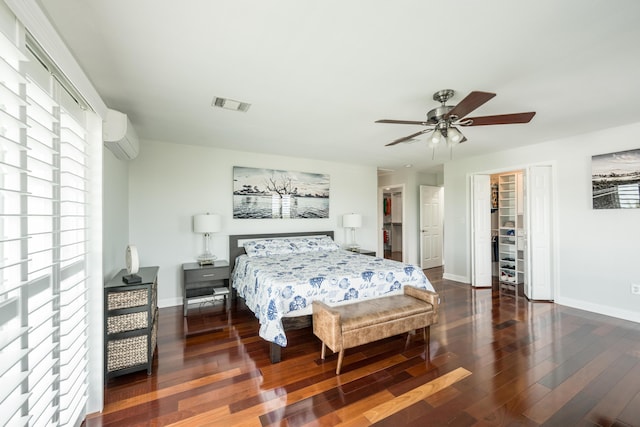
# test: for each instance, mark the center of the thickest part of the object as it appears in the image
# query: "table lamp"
(352, 221)
(206, 224)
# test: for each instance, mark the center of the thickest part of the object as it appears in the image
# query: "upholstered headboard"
(236, 248)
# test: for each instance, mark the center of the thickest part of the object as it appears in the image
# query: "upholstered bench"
(362, 322)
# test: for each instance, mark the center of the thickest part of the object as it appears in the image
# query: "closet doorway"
(521, 222)
(392, 215)
(507, 229)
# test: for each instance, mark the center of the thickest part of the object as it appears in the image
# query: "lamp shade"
(352, 221)
(436, 137)
(453, 136)
(206, 223)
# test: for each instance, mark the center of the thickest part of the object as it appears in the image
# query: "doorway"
(392, 215)
(507, 229)
(431, 226)
(522, 230)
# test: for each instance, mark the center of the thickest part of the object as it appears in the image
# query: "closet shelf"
(510, 258)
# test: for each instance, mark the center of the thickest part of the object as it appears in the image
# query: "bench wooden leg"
(322, 352)
(426, 332)
(340, 357)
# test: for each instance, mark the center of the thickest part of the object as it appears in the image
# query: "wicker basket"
(127, 352)
(127, 322)
(135, 298)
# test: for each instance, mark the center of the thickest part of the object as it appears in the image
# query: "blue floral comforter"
(276, 285)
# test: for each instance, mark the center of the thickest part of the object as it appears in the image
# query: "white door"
(430, 226)
(539, 283)
(481, 231)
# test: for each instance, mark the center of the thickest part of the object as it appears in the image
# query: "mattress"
(282, 285)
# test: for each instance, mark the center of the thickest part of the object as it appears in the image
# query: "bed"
(279, 276)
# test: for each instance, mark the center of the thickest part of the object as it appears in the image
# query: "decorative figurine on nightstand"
(133, 265)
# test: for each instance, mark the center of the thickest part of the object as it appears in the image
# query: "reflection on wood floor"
(396, 255)
(494, 359)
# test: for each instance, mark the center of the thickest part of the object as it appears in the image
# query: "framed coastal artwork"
(615, 180)
(271, 193)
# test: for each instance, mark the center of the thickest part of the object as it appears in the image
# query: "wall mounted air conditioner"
(119, 136)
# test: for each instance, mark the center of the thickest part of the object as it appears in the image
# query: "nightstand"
(130, 323)
(202, 282)
(366, 252)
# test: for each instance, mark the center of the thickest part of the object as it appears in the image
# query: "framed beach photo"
(270, 193)
(615, 180)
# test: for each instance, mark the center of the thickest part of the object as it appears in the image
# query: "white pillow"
(319, 243)
(266, 247)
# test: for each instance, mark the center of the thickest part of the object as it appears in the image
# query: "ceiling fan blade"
(502, 119)
(469, 103)
(403, 122)
(406, 138)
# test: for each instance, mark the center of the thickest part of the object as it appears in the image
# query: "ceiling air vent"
(230, 104)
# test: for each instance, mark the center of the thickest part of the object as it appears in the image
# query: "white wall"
(597, 251)
(169, 183)
(115, 217)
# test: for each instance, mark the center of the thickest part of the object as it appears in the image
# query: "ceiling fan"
(443, 121)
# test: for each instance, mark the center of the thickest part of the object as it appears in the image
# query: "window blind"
(44, 242)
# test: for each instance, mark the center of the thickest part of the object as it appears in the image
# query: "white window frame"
(30, 18)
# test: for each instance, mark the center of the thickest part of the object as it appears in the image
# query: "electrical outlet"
(635, 288)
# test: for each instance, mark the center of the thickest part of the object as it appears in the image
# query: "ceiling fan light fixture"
(447, 118)
(453, 136)
(436, 137)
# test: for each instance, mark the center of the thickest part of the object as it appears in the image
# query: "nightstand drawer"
(127, 299)
(127, 322)
(207, 274)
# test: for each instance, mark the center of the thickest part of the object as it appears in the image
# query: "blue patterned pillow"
(320, 243)
(266, 247)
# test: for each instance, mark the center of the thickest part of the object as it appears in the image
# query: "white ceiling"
(319, 73)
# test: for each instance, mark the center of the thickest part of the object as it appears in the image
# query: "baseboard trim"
(629, 315)
(169, 302)
(455, 278)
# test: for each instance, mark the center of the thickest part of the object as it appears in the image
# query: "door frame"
(534, 239)
(554, 215)
(441, 217)
(381, 190)
(480, 276)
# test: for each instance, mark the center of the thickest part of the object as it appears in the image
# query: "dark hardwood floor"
(494, 359)
(396, 256)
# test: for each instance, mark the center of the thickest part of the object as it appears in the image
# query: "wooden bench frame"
(346, 326)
